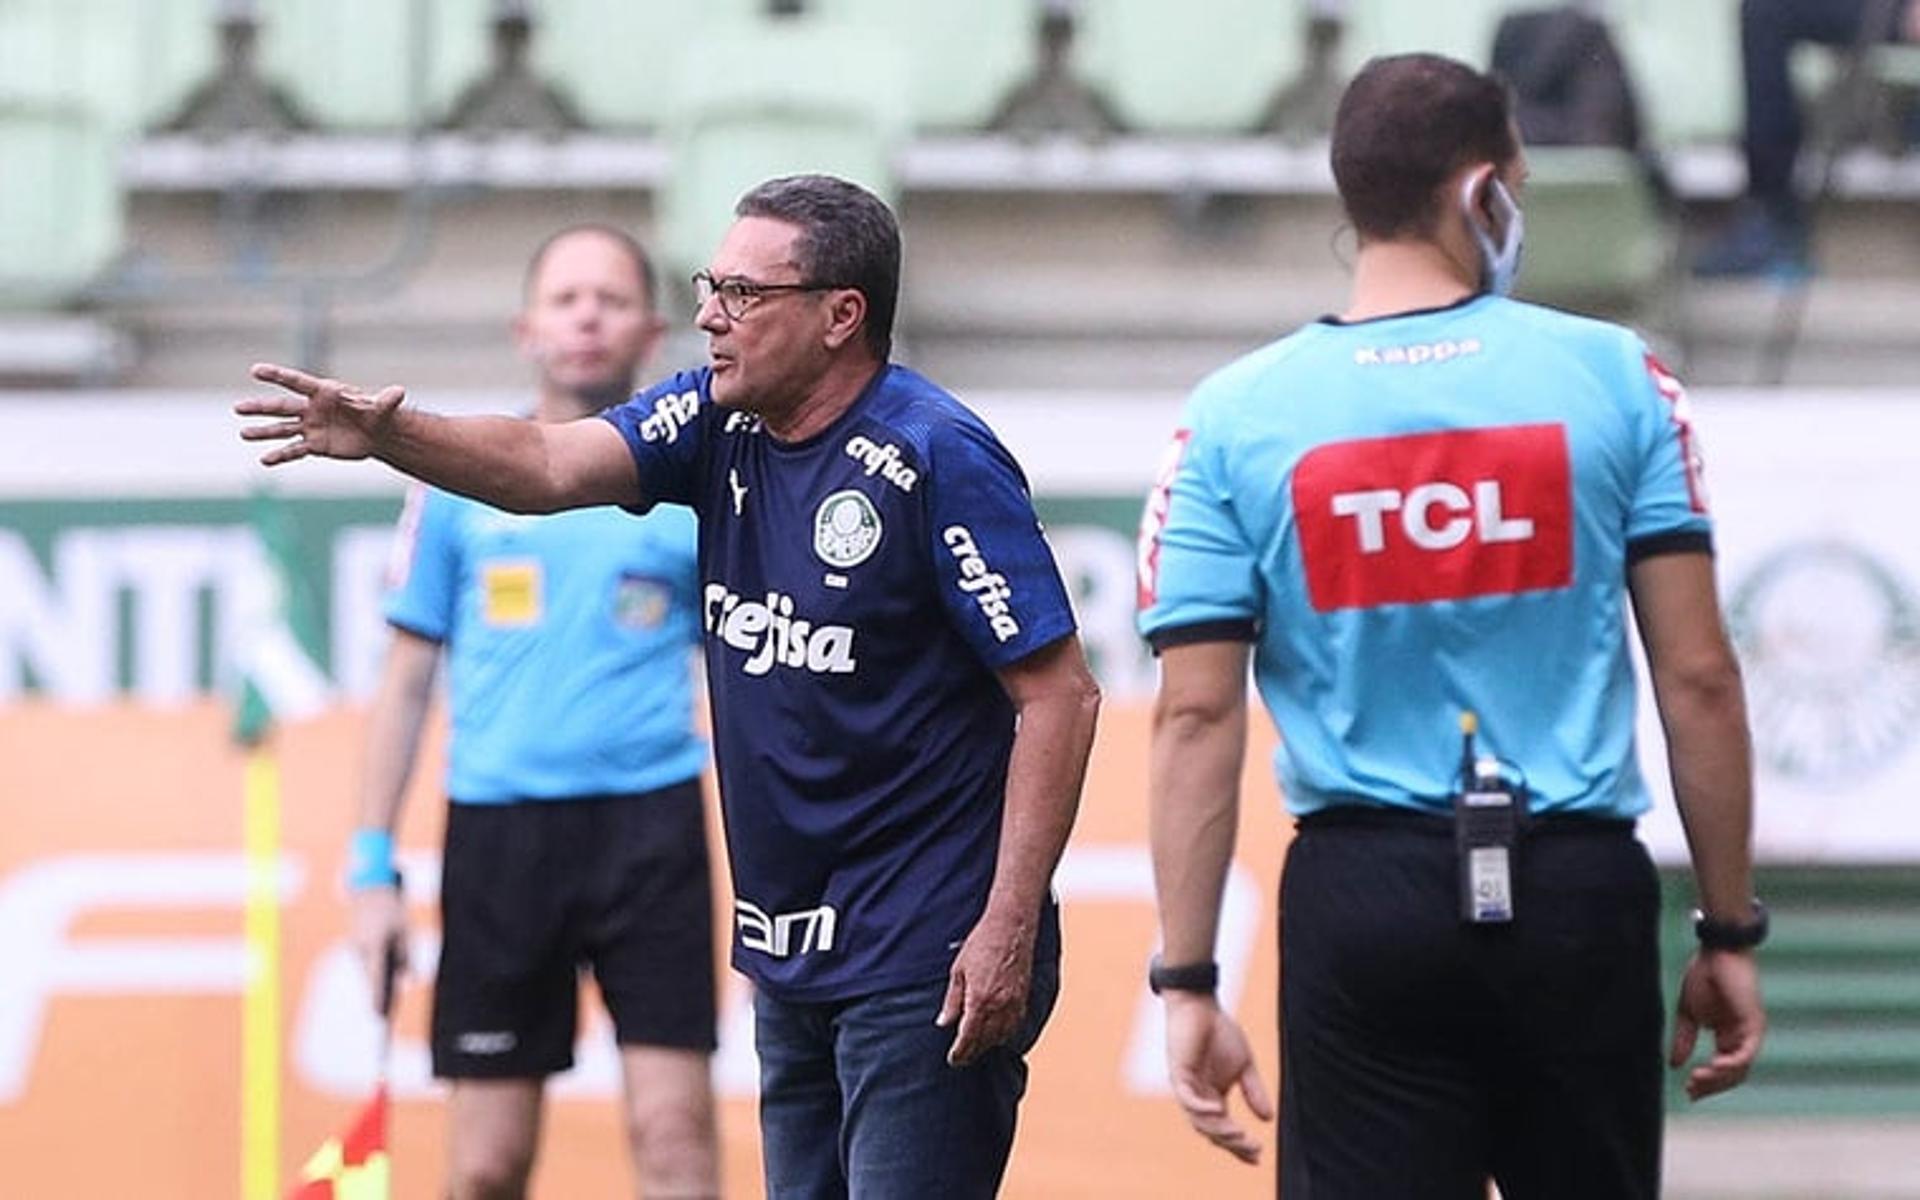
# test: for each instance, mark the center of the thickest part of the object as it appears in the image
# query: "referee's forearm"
(1194, 807)
(1711, 762)
(394, 725)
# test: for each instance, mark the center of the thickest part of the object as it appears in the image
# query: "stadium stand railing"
(1191, 82)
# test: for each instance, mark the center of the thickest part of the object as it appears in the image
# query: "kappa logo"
(486, 1042)
(883, 461)
(1435, 516)
(989, 589)
(671, 413)
(846, 529)
(769, 634)
(1417, 354)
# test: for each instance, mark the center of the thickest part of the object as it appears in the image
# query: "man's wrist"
(1719, 933)
(370, 860)
(1199, 978)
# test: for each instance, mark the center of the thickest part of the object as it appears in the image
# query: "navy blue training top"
(858, 591)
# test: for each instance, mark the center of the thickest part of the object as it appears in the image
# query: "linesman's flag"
(354, 1165)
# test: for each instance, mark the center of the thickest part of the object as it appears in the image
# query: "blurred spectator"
(1768, 235)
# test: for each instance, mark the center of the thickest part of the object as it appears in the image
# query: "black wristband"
(1731, 935)
(1201, 977)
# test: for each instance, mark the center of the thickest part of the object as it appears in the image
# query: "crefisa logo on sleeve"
(989, 589)
(672, 412)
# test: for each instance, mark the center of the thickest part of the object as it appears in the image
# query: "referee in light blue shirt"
(1420, 522)
(576, 836)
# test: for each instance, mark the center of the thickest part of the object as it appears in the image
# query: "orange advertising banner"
(123, 961)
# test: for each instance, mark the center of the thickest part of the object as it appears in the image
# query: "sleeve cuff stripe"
(1685, 541)
(415, 630)
(1237, 629)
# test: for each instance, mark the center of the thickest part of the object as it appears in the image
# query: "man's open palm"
(320, 416)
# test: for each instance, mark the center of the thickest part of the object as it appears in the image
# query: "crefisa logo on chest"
(846, 529)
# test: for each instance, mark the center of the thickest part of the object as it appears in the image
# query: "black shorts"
(1421, 1056)
(534, 892)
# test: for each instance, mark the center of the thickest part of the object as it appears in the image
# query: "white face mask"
(1499, 264)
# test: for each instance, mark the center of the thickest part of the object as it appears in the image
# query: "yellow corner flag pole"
(279, 678)
(260, 1022)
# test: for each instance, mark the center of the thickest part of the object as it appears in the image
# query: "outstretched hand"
(1720, 991)
(324, 417)
(1207, 1057)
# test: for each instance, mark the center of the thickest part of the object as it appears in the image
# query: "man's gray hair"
(848, 238)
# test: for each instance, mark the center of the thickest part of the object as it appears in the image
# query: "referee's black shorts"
(534, 892)
(1422, 1056)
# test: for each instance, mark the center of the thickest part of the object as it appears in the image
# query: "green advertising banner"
(139, 598)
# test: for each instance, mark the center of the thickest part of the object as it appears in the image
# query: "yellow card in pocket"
(512, 591)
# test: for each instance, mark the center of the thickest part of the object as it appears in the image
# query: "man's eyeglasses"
(739, 296)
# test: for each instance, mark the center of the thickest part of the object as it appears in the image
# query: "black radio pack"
(1488, 813)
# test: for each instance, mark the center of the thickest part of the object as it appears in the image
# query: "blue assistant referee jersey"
(1425, 514)
(860, 588)
(569, 644)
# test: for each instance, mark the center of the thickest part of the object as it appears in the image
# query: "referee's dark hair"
(613, 233)
(848, 238)
(1405, 124)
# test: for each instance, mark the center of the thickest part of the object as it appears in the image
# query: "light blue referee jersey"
(1425, 514)
(568, 641)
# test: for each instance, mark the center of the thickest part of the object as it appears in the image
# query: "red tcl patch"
(1435, 516)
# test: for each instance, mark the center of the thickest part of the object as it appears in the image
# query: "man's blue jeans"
(857, 1099)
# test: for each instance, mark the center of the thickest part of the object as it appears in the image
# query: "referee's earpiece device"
(1498, 230)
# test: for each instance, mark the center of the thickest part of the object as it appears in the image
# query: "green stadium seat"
(130, 62)
(1595, 234)
(760, 117)
(1685, 60)
(962, 59)
(1898, 65)
(61, 207)
(1200, 66)
(616, 59)
(1461, 29)
(347, 64)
